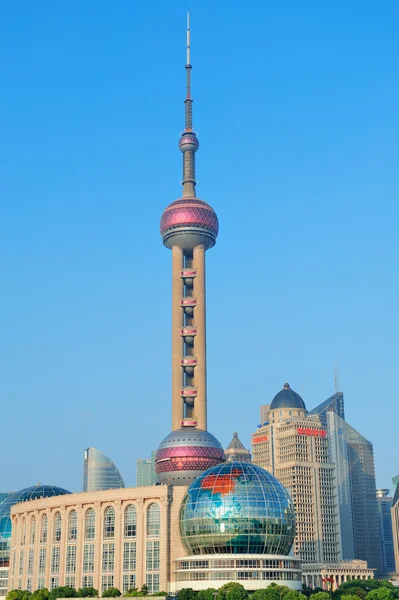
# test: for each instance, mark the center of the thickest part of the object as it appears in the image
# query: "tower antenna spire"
(188, 61)
(188, 142)
(336, 378)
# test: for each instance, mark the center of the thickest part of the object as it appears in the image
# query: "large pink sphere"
(188, 222)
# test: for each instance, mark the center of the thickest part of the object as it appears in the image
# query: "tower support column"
(200, 340)
(177, 340)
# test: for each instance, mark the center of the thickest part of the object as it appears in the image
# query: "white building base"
(253, 571)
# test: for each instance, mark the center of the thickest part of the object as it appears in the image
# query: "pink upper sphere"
(189, 212)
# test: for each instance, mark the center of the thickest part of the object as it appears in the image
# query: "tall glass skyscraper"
(99, 472)
(366, 533)
(384, 503)
(353, 457)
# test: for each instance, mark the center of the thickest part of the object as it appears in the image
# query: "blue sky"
(295, 106)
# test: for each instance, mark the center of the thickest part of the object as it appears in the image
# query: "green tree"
(359, 592)
(42, 594)
(320, 596)
(86, 592)
(272, 592)
(349, 597)
(63, 592)
(186, 594)
(18, 595)
(207, 594)
(111, 593)
(237, 593)
(382, 593)
(144, 590)
(295, 595)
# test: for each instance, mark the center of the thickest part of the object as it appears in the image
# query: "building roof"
(287, 398)
(236, 450)
(334, 403)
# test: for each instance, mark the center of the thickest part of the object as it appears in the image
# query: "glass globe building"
(30, 493)
(237, 508)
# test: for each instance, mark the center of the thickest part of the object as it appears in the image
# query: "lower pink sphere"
(186, 453)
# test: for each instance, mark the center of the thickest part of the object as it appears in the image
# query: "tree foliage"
(111, 593)
(186, 594)
(320, 596)
(207, 594)
(63, 592)
(237, 593)
(42, 594)
(382, 593)
(87, 592)
(18, 595)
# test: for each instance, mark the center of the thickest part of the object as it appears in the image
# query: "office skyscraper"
(395, 523)
(189, 227)
(145, 471)
(294, 448)
(99, 472)
(353, 457)
(366, 536)
(384, 503)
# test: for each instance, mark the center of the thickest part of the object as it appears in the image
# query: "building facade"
(99, 472)
(339, 455)
(294, 447)
(145, 471)
(113, 538)
(330, 576)
(353, 457)
(384, 503)
(366, 535)
(395, 526)
(24, 495)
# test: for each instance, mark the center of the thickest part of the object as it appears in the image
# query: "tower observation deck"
(189, 227)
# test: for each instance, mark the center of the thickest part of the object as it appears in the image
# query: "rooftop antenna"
(336, 378)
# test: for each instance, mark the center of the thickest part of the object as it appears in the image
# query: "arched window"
(57, 527)
(33, 530)
(90, 524)
(130, 521)
(153, 520)
(73, 526)
(44, 530)
(109, 522)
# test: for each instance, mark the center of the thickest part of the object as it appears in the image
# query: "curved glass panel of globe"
(237, 508)
(30, 493)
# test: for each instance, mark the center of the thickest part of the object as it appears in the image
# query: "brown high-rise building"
(294, 447)
(189, 227)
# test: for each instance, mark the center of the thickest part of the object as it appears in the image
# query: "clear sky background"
(296, 109)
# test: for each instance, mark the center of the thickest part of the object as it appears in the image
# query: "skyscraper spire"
(188, 142)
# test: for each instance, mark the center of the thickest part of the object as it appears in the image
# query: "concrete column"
(177, 340)
(200, 339)
(63, 543)
(79, 546)
(164, 545)
(35, 547)
(118, 540)
(98, 546)
(50, 525)
(140, 543)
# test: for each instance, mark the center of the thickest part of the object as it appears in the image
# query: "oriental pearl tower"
(189, 227)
